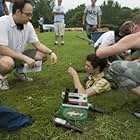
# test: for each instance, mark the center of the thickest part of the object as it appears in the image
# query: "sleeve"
(32, 37)
(101, 86)
(99, 11)
(3, 33)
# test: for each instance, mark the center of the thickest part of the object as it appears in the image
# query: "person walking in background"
(92, 18)
(59, 25)
(41, 22)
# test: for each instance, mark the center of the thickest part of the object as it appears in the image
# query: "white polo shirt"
(12, 37)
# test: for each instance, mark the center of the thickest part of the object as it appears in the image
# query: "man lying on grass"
(96, 83)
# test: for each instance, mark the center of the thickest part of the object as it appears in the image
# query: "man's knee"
(6, 64)
(117, 68)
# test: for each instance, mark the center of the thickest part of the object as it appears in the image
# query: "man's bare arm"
(130, 41)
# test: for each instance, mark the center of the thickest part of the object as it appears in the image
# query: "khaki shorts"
(59, 28)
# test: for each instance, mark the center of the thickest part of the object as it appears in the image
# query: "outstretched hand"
(53, 58)
(72, 72)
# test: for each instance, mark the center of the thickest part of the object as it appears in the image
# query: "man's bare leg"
(136, 90)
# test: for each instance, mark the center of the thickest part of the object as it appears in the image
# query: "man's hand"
(53, 58)
(72, 72)
(31, 62)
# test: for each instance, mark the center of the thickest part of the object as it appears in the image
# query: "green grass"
(42, 100)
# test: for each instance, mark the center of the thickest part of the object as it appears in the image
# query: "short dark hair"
(96, 61)
(136, 19)
(19, 4)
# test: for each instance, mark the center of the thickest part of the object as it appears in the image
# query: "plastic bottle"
(63, 123)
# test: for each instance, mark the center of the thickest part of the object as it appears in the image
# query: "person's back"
(107, 38)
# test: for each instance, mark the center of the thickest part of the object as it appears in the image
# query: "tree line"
(112, 13)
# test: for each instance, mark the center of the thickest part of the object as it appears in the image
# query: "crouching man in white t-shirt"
(16, 32)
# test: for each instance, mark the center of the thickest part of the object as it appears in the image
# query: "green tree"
(73, 18)
(44, 9)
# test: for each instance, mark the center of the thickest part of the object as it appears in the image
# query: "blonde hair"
(125, 28)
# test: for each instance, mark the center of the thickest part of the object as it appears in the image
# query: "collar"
(12, 21)
(13, 24)
(100, 75)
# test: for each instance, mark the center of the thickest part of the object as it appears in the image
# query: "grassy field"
(42, 100)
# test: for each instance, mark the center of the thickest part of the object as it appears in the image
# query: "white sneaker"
(62, 42)
(55, 43)
(137, 114)
(4, 83)
(22, 76)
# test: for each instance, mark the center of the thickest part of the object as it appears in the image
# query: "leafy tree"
(73, 18)
(42, 8)
(113, 13)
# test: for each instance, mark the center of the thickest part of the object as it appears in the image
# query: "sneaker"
(93, 108)
(55, 43)
(62, 43)
(4, 84)
(137, 114)
(23, 76)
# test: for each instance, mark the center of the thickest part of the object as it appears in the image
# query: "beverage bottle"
(63, 123)
(75, 90)
(66, 96)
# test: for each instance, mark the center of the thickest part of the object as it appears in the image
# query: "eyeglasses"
(28, 14)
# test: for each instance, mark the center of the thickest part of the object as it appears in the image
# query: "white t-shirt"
(14, 38)
(58, 17)
(92, 12)
(107, 38)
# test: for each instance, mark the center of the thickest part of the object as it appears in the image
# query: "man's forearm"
(99, 21)
(42, 48)
(84, 19)
(5, 51)
(78, 85)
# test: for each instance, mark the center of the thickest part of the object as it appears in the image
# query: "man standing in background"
(92, 18)
(59, 26)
